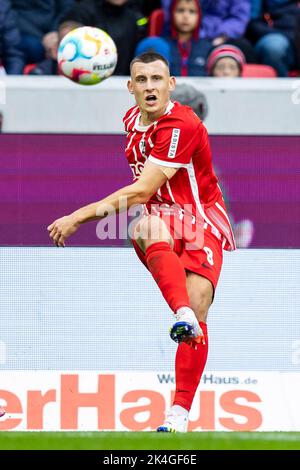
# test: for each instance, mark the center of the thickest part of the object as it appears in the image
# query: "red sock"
(189, 366)
(169, 274)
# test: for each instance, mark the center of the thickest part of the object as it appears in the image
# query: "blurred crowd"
(218, 38)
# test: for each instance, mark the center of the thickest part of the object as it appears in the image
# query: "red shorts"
(204, 257)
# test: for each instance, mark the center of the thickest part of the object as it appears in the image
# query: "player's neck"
(147, 118)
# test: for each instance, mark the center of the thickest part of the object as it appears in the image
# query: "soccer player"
(184, 227)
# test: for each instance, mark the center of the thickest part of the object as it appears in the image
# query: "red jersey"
(178, 139)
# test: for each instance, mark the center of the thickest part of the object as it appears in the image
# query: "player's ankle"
(180, 410)
(185, 314)
(177, 420)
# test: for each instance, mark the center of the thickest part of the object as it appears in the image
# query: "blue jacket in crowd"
(11, 56)
(258, 6)
(284, 16)
(39, 17)
(220, 17)
(224, 18)
(197, 50)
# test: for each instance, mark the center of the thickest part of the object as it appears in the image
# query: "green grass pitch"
(149, 441)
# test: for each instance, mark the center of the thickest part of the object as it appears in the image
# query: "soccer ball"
(87, 55)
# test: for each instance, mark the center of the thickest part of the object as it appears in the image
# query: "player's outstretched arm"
(151, 179)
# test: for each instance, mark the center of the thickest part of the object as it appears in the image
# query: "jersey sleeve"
(174, 145)
(129, 116)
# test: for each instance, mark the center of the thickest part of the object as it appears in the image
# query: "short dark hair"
(148, 57)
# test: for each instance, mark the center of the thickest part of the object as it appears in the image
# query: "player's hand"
(62, 228)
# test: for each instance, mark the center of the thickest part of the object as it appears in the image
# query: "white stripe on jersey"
(145, 208)
(129, 143)
(169, 107)
(226, 227)
(216, 232)
(195, 192)
(232, 241)
(131, 120)
(135, 154)
(167, 164)
(222, 210)
(131, 114)
(168, 186)
(158, 195)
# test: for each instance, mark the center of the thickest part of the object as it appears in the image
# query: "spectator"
(38, 22)
(189, 95)
(154, 44)
(188, 53)
(226, 61)
(123, 23)
(256, 7)
(49, 66)
(11, 56)
(273, 32)
(223, 21)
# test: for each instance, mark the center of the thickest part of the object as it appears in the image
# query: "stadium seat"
(294, 73)
(28, 68)
(259, 71)
(156, 22)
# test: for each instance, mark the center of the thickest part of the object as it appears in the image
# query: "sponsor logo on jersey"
(174, 143)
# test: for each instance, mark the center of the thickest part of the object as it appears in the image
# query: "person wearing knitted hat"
(226, 61)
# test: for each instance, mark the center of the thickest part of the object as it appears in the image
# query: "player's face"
(151, 85)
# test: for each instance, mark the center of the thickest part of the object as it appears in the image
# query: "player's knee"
(151, 229)
(200, 313)
(200, 304)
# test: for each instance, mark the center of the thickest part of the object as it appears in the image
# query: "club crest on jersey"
(142, 147)
(174, 143)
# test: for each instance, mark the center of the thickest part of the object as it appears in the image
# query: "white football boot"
(177, 420)
(187, 328)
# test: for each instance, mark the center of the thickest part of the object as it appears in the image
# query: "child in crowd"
(186, 53)
(226, 61)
